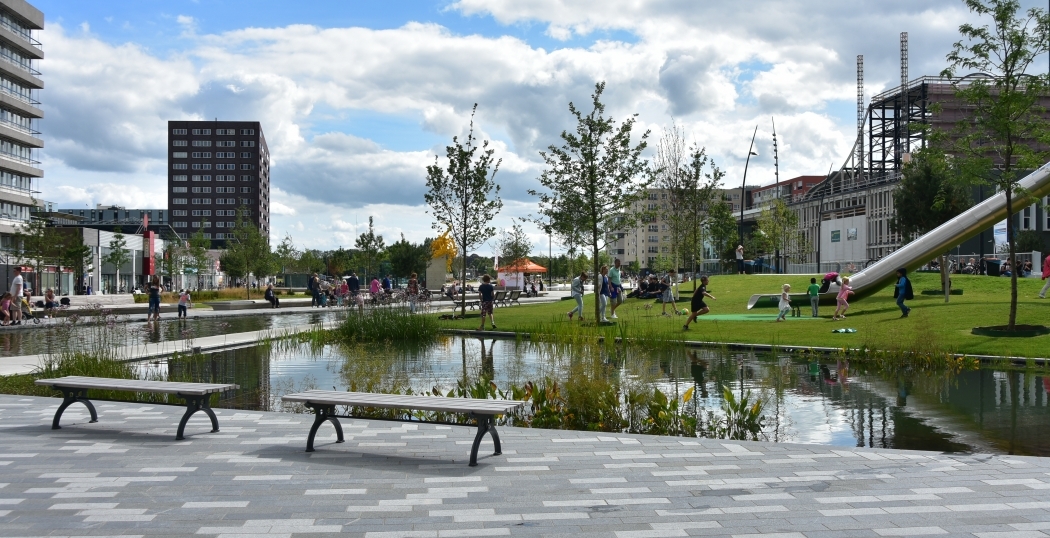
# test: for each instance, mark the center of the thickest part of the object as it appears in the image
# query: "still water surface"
(807, 400)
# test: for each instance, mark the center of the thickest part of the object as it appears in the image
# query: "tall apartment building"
(216, 168)
(19, 111)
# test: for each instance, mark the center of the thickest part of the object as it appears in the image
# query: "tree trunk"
(463, 284)
(945, 277)
(1013, 267)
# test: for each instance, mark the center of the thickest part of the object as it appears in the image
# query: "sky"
(356, 98)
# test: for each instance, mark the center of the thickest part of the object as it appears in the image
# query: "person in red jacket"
(1046, 276)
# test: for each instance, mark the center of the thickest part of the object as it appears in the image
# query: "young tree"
(1007, 120)
(118, 254)
(36, 246)
(669, 177)
(287, 255)
(927, 196)
(779, 227)
(595, 179)
(696, 194)
(369, 250)
(722, 229)
(247, 253)
(197, 253)
(513, 245)
(464, 197)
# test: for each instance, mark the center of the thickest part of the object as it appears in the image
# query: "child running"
(814, 295)
(785, 302)
(698, 306)
(844, 290)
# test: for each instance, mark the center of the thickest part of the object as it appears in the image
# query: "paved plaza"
(127, 476)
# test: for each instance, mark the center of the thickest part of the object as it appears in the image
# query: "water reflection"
(828, 402)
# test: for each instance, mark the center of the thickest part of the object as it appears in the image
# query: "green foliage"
(722, 229)
(385, 324)
(593, 180)
(407, 257)
(778, 232)
(197, 253)
(247, 253)
(1031, 241)
(928, 195)
(370, 251)
(1006, 130)
(118, 255)
(464, 197)
(513, 245)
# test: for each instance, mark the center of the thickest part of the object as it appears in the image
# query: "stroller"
(27, 312)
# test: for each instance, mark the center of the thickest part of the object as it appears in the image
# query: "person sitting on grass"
(697, 305)
(487, 298)
(785, 302)
(841, 305)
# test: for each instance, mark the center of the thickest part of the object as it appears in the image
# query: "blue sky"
(356, 104)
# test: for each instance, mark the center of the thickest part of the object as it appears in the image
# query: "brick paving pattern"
(127, 476)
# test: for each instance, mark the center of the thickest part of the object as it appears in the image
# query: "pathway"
(126, 476)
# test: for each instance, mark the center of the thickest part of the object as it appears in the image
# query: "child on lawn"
(698, 306)
(814, 295)
(785, 302)
(487, 301)
(842, 306)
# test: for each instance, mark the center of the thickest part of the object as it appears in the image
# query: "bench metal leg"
(70, 396)
(486, 424)
(321, 414)
(194, 404)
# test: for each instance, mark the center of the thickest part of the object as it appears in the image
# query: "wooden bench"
(74, 389)
(323, 403)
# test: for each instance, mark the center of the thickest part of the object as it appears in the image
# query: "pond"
(48, 338)
(805, 400)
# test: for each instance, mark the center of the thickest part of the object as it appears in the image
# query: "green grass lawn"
(932, 326)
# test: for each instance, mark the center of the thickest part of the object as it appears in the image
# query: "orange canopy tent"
(523, 265)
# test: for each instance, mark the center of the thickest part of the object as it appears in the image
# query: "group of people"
(610, 292)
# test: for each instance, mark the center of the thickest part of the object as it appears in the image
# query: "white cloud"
(326, 95)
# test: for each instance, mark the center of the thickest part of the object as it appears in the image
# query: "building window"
(178, 178)
(247, 167)
(654, 239)
(201, 154)
(178, 155)
(246, 155)
(246, 189)
(220, 224)
(654, 249)
(178, 200)
(207, 235)
(230, 224)
(178, 131)
(202, 143)
(178, 189)
(247, 144)
(226, 167)
(202, 131)
(1026, 217)
(198, 190)
(246, 132)
(201, 167)
(178, 213)
(201, 212)
(246, 212)
(224, 132)
(247, 178)
(226, 143)
(179, 143)
(246, 201)
(179, 224)
(202, 178)
(226, 155)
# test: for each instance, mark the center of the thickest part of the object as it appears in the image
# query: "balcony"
(11, 59)
(18, 127)
(21, 33)
(24, 98)
(18, 158)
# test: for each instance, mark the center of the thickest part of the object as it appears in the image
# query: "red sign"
(148, 263)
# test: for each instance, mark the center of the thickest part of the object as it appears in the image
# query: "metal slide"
(920, 251)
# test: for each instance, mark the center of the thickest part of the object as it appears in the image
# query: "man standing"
(617, 287)
(740, 259)
(387, 284)
(16, 297)
(311, 286)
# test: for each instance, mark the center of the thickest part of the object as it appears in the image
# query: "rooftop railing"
(21, 32)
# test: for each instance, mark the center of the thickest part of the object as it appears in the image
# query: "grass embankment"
(933, 326)
(228, 294)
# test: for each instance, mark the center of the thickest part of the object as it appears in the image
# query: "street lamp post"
(750, 151)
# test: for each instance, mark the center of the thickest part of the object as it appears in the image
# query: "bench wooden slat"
(402, 401)
(161, 387)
